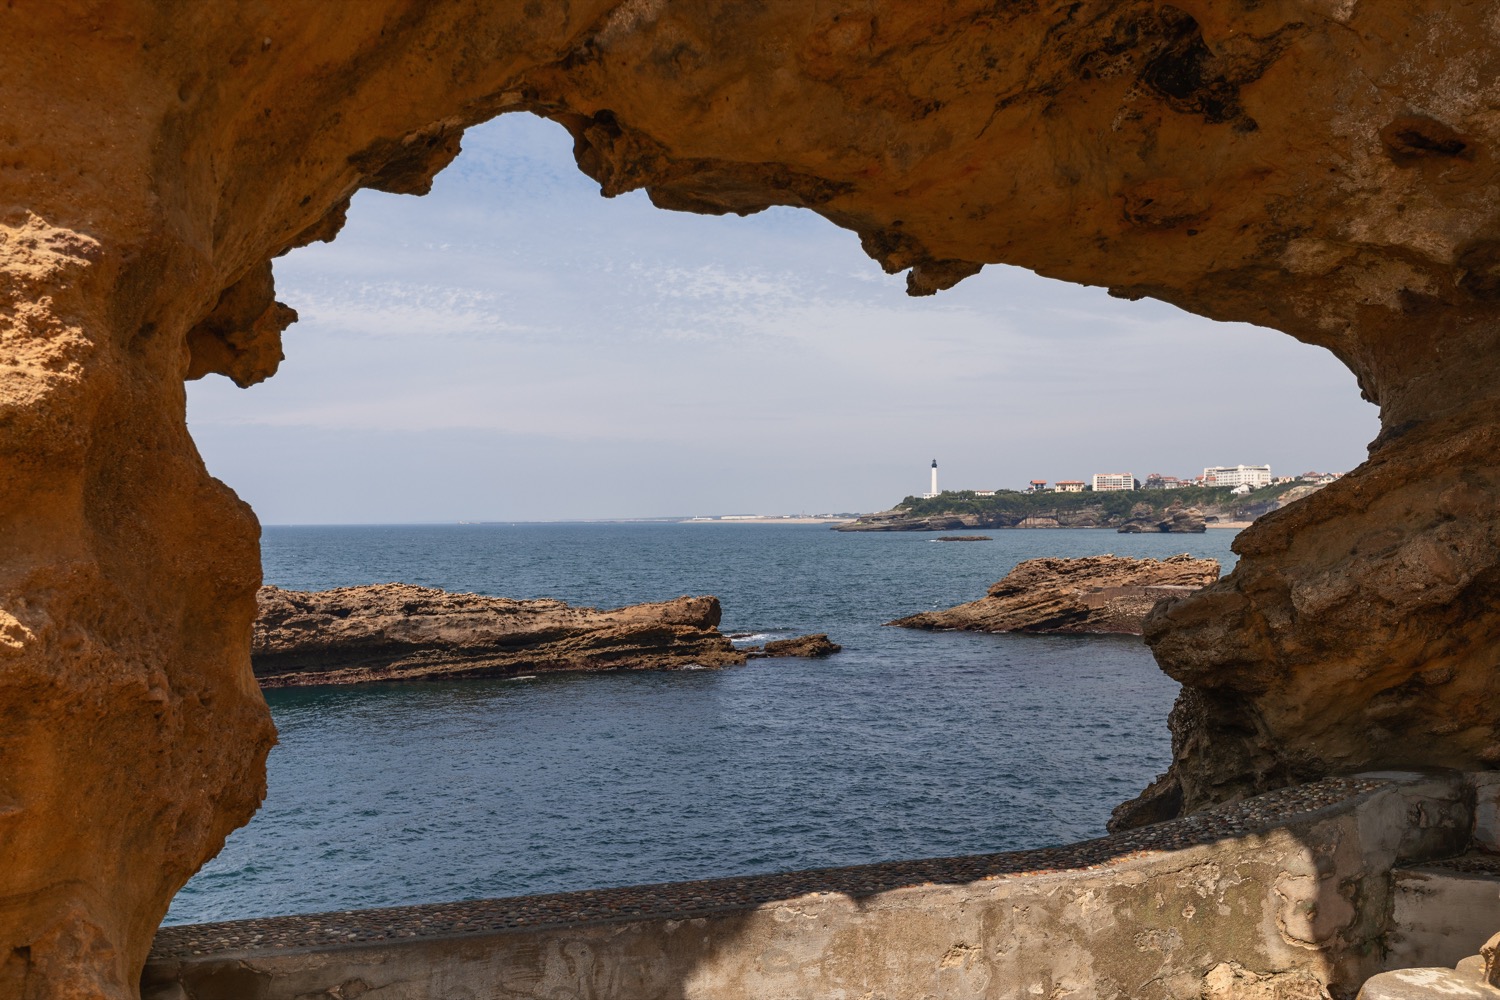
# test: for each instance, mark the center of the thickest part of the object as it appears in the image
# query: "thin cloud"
(516, 316)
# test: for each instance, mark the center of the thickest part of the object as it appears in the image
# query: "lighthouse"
(934, 491)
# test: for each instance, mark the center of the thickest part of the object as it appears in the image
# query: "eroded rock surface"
(1179, 522)
(1322, 167)
(812, 646)
(1356, 630)
(1092, 594)
(398, 632)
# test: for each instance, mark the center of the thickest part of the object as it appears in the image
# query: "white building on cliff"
(1105, 482)
(1254, 476)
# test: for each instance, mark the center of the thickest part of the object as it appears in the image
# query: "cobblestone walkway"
(689, 899)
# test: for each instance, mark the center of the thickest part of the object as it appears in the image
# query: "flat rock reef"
(1094, 594)
(400, 632)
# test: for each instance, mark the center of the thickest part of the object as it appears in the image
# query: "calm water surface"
(907, 744)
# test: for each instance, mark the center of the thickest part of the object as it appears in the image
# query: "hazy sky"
(514, 347)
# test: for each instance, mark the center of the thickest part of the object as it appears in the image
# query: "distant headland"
(772, 519)
(1186, 509)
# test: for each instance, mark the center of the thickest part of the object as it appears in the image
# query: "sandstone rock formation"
(1355, 631)
(1189, 520)
(1321, 167)
(1093, 594)
(812, 646)
(398, 632)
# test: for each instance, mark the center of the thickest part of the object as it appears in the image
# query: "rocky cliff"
(1127, 510)
(1322, 167)
(1093, 594)
(397, 632)
(1044, 517)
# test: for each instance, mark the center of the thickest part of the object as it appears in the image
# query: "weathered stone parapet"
(1283, 895)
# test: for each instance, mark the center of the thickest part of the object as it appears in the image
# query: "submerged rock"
(803, 645)
(1094, 594)
(1189, 520)
(399, 632)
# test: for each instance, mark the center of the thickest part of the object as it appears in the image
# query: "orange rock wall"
(1324, 167)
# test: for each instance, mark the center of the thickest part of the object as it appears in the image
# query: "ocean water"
(907, 744)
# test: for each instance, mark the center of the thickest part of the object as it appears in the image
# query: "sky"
(515, 347)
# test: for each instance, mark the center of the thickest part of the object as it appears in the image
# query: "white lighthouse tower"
(934, 491)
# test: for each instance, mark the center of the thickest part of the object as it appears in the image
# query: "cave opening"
(510, 350)
(1325, 172)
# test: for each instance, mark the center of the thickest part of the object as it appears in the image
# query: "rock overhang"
(1316, 166)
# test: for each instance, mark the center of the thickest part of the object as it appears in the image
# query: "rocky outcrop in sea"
(807, 646)
(399, 632)
(1186, 521)
(1093, 594)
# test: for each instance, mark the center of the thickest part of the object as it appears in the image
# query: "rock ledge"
(1093, 594)
(399, 632)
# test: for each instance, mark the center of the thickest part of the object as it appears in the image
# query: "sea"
(905, 745)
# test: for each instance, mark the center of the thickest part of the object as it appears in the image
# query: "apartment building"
(1254, 476)
(1106, 482)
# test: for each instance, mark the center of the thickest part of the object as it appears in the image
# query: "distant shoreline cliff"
(1180, 511)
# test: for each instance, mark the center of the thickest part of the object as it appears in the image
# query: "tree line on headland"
(1119, 502)
(1106, 509)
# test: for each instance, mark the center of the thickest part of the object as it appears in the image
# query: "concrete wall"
(1439, 917)
(1280, 913)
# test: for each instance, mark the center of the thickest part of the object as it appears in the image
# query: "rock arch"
(1317, 166)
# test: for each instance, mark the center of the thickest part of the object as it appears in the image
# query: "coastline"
(767, 520)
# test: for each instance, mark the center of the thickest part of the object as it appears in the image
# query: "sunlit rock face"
(1323, 168)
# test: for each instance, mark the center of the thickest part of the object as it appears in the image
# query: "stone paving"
(690, 899)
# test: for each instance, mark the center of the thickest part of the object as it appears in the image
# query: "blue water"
(907, 744)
